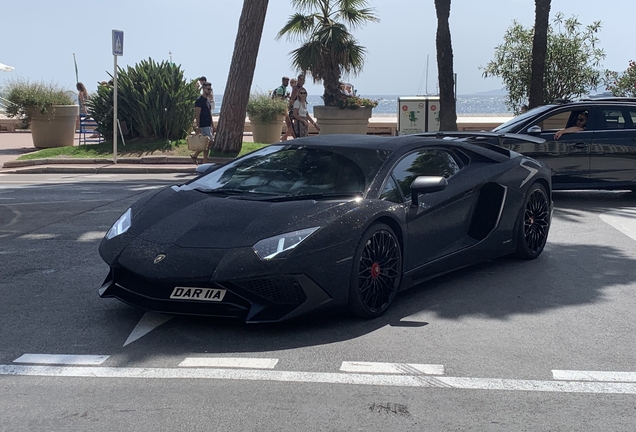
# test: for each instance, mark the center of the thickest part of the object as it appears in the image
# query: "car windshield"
(295, 171)
(511, 125)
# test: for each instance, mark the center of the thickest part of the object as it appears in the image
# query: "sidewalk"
(15, 144)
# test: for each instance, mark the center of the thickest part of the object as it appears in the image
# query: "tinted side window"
(612, 119)
(391, 192)
(632, 117)
(424, 163)
(555, 122)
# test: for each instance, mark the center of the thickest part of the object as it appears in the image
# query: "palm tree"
(328, 49)
(448, 106)
(229, 137)
(539, 51)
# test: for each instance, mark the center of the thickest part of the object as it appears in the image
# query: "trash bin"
(417, 114)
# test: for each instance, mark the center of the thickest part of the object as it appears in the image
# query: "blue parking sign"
(118, 42)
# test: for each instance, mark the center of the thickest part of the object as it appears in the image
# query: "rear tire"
(533, 223)
(376, 272)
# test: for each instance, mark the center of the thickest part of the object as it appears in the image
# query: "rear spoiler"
(491, 140)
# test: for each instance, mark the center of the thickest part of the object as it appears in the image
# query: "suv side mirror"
(426, 184)
(534, 130)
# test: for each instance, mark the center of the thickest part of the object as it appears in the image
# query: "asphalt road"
(506, 345)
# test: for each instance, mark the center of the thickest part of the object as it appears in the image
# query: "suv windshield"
(290, 170)
(512, 124)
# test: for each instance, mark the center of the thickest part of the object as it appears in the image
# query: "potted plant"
(328, 50)
(47, 109)
(266, 116)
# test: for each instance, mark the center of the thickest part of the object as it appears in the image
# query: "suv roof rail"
(610, 99)
(561, 101)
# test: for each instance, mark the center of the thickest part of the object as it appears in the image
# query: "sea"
(467, 105)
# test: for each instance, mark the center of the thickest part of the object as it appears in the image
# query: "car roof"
(597, 101)
(485, 143)
(375, 142)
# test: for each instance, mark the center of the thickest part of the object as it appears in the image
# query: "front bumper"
(255, 299)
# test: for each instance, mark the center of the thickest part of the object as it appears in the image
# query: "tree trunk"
(229, 136)
(448, 106)
(539, 50)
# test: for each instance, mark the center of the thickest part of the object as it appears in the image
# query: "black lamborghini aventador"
(340, 219)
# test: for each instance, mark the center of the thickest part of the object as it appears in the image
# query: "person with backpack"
(281, 91)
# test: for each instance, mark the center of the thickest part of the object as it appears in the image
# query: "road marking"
(91, 236)
(148, 322)
(62, 359)
(227, 362)
(623, 220)
(392, 368)
(38, 236)
(324, 378)
(569, 375)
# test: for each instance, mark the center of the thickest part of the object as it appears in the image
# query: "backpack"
(274, 95)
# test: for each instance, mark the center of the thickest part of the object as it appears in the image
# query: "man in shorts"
(203, 119)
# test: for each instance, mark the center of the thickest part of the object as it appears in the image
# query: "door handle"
(580, 145)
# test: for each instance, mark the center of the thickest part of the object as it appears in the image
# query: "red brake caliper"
(375, 270)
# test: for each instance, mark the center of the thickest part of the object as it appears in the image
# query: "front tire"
(533, 224)
(376, 273)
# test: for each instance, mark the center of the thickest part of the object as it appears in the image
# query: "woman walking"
(300, 116)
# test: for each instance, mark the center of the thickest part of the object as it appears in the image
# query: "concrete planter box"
(333, 120)
(267, 133)
(56, 128)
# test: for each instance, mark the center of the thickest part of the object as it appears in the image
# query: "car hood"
(189, 218)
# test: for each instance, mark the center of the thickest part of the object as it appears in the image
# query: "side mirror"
(534, 130)
(426, 184)
(206, 168)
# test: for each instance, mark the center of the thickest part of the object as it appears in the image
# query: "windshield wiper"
(226, 192)
(313, 196)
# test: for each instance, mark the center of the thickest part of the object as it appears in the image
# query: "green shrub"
(27, 97)
(263, 108)
(154, 99)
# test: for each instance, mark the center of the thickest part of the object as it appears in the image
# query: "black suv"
(602, 156)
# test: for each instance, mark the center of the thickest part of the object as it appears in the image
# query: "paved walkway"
(15, 144)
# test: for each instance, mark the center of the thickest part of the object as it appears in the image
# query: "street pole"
(115, 112)
(118, 49)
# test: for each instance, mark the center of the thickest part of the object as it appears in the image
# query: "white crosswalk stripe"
(603, 376)
(411, 381)
(392, 368)
(228, 362)
(62, 359)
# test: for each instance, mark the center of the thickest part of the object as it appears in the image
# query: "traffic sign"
(118, 42)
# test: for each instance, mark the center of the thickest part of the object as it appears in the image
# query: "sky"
(39, 40)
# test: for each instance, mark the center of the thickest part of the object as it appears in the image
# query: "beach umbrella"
(5, 68)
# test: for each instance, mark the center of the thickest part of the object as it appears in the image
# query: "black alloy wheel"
(535, 223)
(376, 273)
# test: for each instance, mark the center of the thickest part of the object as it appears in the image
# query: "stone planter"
(56, 128)
(267, 133)
(333, 120)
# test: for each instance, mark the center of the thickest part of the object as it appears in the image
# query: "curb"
(103, 169)
(144, 165)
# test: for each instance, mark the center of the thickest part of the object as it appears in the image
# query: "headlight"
(280, 245)
(121, 226)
